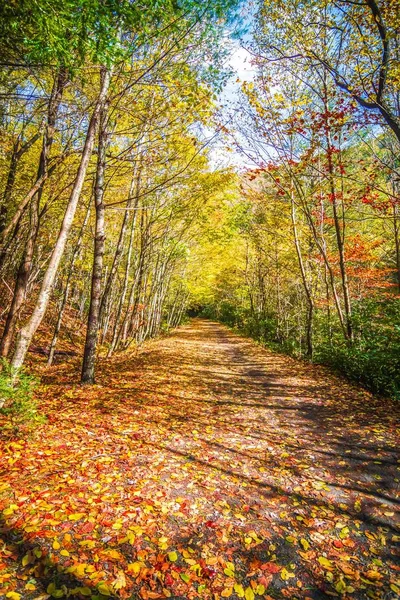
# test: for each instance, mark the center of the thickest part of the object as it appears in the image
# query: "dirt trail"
(239, 471)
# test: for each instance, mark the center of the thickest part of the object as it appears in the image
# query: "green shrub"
(374, 358)
(17, 402)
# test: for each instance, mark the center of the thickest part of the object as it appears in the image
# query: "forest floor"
(205, 466)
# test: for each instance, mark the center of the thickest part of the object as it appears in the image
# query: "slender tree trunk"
(328, 266)
(124, 288)
(137, 325)
(75, 255)
(340, 245)
(89, 355)
(339, 229)
(120, 244)
(10, 232)
(18, 151)
(397, 243)
(27, 332)
(25, 268)
(21, 283)
(134, 294)
(306, 286)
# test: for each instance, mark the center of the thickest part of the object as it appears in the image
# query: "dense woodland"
(113, 207)
(199, 299)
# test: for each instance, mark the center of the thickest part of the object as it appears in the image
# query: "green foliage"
(70, 33)
(16, 398)
(374, 358)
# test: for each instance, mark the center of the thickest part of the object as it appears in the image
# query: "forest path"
(210, 467)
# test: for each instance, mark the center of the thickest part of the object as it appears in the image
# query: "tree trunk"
(25, 268)
(119, 249)
(306, 286)
(340, 244)
(66, 289)
(124, 289)
(397, 243)
(27, 332)
(322, 249)
(18, 151)
(89, 355)
(21, 282)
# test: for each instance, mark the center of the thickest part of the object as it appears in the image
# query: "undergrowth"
(17, 401)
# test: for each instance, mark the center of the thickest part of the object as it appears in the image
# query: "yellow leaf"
(88, 543)
(76, 516)
(30, 587)
(324, 562)
(373, 575)
(248, 540)
(305, 544)
(56, 545)
(290, 539)
(172, 556)
(104, 589)
(249, 594)
(120, 581)
(285, 574)
(260, 589)
(239, 589)
(112, 553)
(26, 560)
(226, 592)
(13, 596)
(130, 537)
(64, 552)
(229, 573)
(79, 569)
(135, 567)
(117, 525)
(340, 587)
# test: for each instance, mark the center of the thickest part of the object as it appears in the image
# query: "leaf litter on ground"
(206, 467)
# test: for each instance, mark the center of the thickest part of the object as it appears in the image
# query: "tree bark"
(18, 151)
(25, 267)
(89, 355)
(395, 213)
(66, 290)
(124, 289)
(27, 332)
(306, 286)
